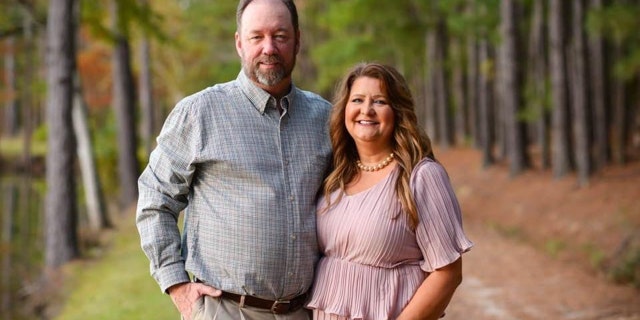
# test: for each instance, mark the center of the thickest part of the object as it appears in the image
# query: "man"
(244, 159)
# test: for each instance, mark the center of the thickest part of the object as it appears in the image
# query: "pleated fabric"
(372, 261)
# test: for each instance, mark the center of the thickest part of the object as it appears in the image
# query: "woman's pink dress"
(373, 262)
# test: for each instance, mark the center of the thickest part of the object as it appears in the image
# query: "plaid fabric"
(246, 178)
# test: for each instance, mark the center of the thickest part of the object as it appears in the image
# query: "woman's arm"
(434, 294)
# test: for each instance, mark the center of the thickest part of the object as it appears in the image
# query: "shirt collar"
(260, 98)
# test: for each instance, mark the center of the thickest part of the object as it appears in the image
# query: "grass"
(112, 281)
(116, 285)
(13, 147)
(553, 247)
(625, 265)
(511, 232)
(595, 255)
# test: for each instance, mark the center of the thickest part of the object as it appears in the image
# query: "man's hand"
(184, 295)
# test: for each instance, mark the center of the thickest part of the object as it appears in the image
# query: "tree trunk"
(485, 112)
(537, 80)
(441, 88)
(598, 89)
(27, 97)
(419, 83)
(9, 209)
(431, 91)
(633, 134)
(123, 102)
(146, 98)
(560, 124)
(60, 209)
(472, 89)
(510, 89)
(96, 212)
(633, 125)
(148, 130)
(460, 103)
(579, 102)
(11, 102)
(618, 113)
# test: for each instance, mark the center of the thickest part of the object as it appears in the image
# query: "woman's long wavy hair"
(410, 143)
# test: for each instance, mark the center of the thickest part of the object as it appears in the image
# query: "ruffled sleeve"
(439, 232)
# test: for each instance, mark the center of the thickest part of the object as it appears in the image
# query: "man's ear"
(238, 44)
(297, 42)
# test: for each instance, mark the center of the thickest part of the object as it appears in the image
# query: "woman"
(389, 224)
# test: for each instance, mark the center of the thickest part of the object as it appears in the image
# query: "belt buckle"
(277, 304)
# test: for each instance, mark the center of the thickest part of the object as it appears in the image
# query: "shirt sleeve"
(164, 187)
(439, 231)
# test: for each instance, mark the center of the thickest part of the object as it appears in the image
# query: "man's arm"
(163, 188)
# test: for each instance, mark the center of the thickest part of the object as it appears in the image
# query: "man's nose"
(269, 46)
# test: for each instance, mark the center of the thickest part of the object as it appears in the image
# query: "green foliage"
(619, 24)
(595, 254)
(95, 14)
(13, 147)
(10, 18)
(14, 14)
(391, 32)
(202, 50)
(339, 60)
(199, 48)
(39, 135)
(468, 19)
(104, 138)
(485, 19)
(536, 103)
(142, 15)
(212, 38)
(627, 268)
(629, 66)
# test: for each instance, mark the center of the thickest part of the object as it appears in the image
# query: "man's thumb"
(211, 291)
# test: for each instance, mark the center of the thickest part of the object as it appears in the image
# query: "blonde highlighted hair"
(410, 143)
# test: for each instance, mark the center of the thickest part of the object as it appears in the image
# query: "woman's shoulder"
(427, 165)
(428, 170)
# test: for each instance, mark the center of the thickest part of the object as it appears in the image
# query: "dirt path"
(506, 278)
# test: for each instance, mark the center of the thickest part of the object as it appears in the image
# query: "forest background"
(551, 85)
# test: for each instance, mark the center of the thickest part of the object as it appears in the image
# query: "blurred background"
(549, 88)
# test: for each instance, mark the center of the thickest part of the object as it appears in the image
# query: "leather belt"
(277, 307)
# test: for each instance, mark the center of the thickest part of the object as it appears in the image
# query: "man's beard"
(270, 77)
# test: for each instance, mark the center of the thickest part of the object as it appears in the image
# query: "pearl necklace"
(375, 167)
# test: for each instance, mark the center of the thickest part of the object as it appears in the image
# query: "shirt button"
(293, 237)
(290, 274)
(291, 198)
